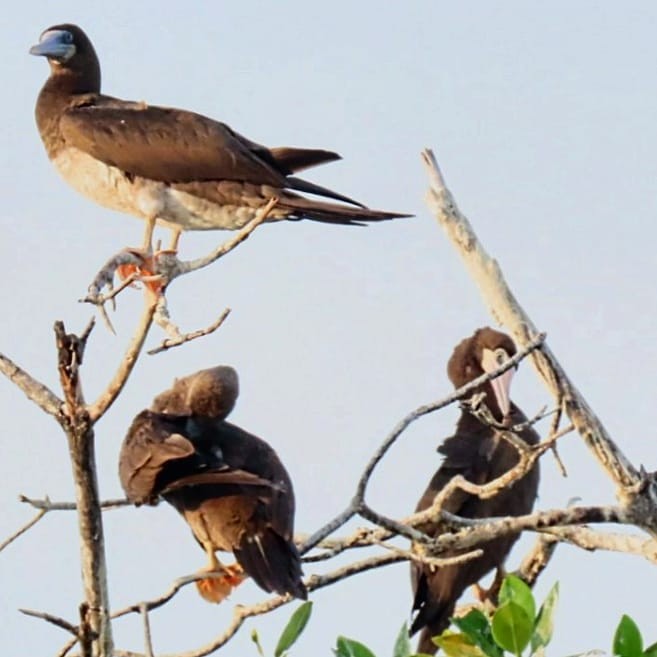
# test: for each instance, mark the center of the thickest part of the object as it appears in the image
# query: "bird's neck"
(61, 91)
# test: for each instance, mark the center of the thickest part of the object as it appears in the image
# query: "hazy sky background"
(542, 116)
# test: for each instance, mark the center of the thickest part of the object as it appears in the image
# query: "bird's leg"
(492, 592)
(216, 589)
(175, 236)
(148, 234)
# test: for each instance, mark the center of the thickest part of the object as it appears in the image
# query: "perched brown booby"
(229, 485)
(477, 452)
(177, 168)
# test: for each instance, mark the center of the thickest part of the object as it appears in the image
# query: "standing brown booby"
(229, 485)
(180, 169)
(477, 452)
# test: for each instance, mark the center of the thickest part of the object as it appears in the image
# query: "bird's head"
(69, 50)
(208, 393)
(484, 351)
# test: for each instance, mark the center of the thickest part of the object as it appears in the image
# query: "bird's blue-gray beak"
(55, 44)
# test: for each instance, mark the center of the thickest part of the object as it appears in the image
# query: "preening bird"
(479, 453)
(229, 485)
(169, 166)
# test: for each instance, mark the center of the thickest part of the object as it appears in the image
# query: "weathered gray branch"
(35, 391)
(113, 389)
(633, 490)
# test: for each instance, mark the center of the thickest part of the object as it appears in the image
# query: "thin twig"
(229, 245)
(148, 642)
(66, 648)
(169, 343)
(23, 529)
(47, 505)
(50, 618)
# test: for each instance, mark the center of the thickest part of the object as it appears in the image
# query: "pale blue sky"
(542, 116)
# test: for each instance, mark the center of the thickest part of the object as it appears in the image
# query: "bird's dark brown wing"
(251, 484)
(145, 451)
(166, 144)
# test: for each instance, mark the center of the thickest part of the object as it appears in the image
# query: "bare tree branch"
(177, 338)
(35, 391)
(55, 620)
(107, 398)
(357, 504)
(95, 631)
(537, 559)
(504, 307)
(47, 505)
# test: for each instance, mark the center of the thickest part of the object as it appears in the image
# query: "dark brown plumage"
(477, 452)
(229, 485)
(161, 164)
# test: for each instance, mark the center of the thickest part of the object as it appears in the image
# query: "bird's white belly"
(143, 198)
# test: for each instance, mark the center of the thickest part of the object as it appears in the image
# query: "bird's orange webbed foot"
(143, 269)
(217, 588)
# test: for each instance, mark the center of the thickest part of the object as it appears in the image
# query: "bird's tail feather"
(290, 160)
(332, 213)
(432, 618)
(273, 562)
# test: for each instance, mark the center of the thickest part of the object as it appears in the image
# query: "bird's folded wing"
(142, 460)
(225, 477)
(165, 144)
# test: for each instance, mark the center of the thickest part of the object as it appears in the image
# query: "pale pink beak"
(501, 384)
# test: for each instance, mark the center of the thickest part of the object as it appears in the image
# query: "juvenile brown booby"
(177, 168)
(477, 452)
(229, 486)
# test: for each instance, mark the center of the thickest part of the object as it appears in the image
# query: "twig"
(169, 343)
(35, 391)
(149, 605)
(23, 529)
(226, 247)
(47, 505)
(148, 643)
(66, 648)
(106, 399)
(55, 620)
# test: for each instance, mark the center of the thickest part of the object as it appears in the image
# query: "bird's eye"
(67, 37)
(501, 356)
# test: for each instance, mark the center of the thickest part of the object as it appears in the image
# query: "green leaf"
(476, 627)
(650, 651)
(457, 645)
(294, 627)
(545, 622)
(256, 639)
(512, 627)
(627, 640)
(402, 646)
(350, 648)
(515, 590)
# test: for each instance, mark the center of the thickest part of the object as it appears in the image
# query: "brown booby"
(477, 452)
(169, 166)
(229, 485)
